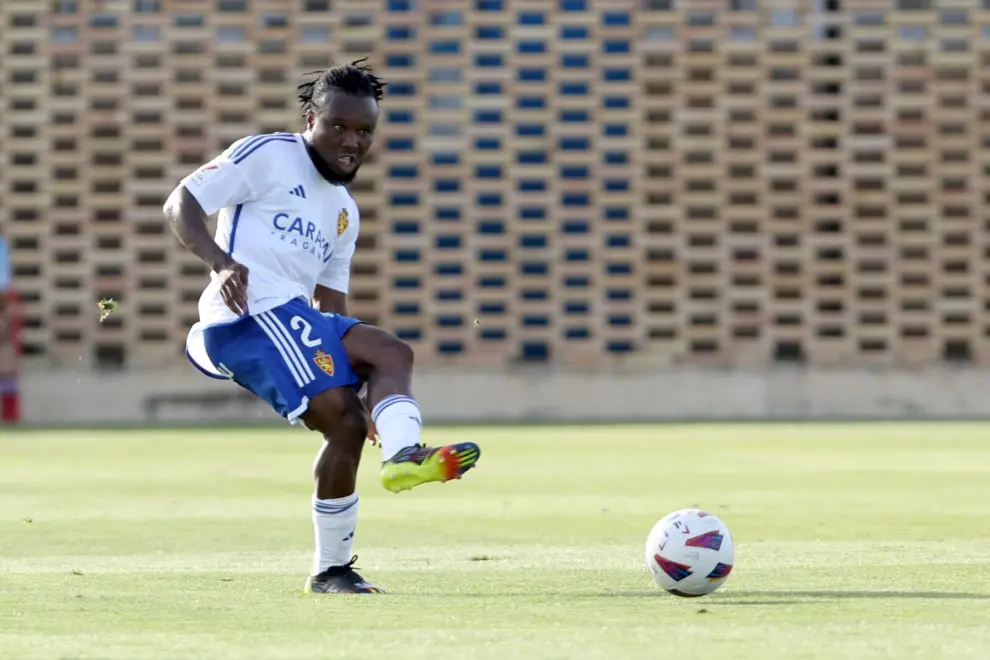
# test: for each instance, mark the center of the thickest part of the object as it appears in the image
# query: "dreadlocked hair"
(355, 78)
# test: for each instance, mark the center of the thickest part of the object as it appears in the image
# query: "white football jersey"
(280, 218)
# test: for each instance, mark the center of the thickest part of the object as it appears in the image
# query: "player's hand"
(233, 286)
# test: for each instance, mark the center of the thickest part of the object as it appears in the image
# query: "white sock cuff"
(395, 401)
(334, 507)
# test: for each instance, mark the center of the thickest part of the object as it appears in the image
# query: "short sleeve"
(337, 273)
(238, 175)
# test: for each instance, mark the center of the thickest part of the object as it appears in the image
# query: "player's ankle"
(399, 423)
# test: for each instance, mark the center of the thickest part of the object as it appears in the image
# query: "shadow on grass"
(616, 595)
(834, 594)
(751, 603)
(576, 595)
(733, 598)
(725, 599)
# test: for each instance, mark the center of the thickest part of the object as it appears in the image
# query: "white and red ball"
(690, 553)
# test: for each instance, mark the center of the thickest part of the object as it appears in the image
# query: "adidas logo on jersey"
(298, 192)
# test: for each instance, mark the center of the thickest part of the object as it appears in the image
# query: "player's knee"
(340, 416)
(399, 354)
(354, 424)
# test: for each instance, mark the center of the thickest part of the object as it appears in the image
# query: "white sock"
(399, 423)
(334, 522)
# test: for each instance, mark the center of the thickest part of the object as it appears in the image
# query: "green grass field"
(852, 541)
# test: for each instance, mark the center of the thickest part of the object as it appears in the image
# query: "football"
(690, 553)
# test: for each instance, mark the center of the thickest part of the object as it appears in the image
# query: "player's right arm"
(188, 221)
(229, 179)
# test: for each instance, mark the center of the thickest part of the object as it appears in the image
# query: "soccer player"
(286, 232)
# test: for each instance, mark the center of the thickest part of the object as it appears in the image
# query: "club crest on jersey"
(341, 221)
(324, 361)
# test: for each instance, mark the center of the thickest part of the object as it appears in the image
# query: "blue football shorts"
(285, 356)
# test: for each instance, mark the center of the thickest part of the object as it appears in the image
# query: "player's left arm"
(333, 283)
(328, 300)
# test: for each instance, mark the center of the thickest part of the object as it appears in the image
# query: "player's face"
(342, 132)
